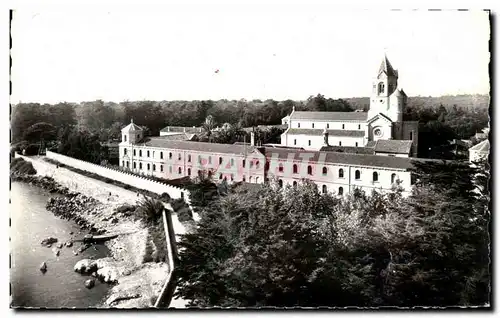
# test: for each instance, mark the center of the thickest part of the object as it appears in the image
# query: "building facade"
(333, 172)
(383, 121)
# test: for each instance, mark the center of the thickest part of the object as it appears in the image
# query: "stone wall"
(122, 176)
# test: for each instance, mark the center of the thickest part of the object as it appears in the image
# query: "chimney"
(325, 138)
(252, 138)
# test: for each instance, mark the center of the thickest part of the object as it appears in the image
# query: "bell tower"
(383, 86)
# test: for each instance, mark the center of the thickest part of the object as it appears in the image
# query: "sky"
(251, 52)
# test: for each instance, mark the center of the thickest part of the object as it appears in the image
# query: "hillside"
(472, 101)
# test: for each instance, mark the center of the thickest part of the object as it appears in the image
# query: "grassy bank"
(19, 166)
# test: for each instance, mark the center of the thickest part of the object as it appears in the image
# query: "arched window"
(154, 167)
(161, 168)
(325, 171)
(340, 143)
(161, 154)
(309, 170)
(295, 142)
(313, 125)
(341, 173)
(134, 152)
(210, 159)
(341, 191)
(189, 158)
(280, 183)
(134, 165)
(220, 176)
(357, 175)
(123, 163)
(232, 162)
(140, 165)
(244, 179)
(375, 176)
(125, 151)
(343, 126)
(257, 164)
(250, 179)
(411, 135)
(140, 153)
(298, 125)
(359, 126)
(356, 144)
(128, 164)
(189, 171)
(324, 189)
(169, 155)
(220, 160)
(381, 88)
(225, 178)
(327, 126)
(393, 178)
(180, 170)
(147, 153)
(256, 179)
(309, 142)
(179, 156)
(295, 169)
(280, 167)
(209, 173)
(232, 177)
(295, 184)
(124, 137)
(243, 163)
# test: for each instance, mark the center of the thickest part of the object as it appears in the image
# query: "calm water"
(60, 286)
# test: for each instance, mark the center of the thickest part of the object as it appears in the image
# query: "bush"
(150, 210)
(31, 150)
(185, 214)
(127, 187)
(21, 166)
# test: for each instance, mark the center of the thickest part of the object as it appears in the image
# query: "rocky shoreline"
(136, 280)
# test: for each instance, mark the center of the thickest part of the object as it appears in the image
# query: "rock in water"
(85, 266)
(56, 251)
(49, 240)
(69, 244)
(89, 283)
(43, 267)
(60, 245)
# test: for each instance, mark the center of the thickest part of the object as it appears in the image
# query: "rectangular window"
(313, 125)
(243, 163)
(359, 126)
(125, 151)
(161, 154)
(309, 142)
(147, 153)
(189, 158)
(327, 126)
(340, 143)
(343, 126)
(161, 168)
(134, 152)
(356, 144)
(298, 125)
(123, 163)
(124, 137)
(411, 135)
(295, 142)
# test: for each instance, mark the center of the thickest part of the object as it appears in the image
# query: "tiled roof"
(329, 116)
(345, 149)
(160, 142)
(131, 127)
(179, 136)
(331, 132)
(483, 146)
(393, 146)
(370, 144)
(182, 129)
(343, 158)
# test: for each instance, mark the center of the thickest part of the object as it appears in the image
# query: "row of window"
(309, 143)
(328, 126)
(324, 188)
(357, 173)
(179, 157)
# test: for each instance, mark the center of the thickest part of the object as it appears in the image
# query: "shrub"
(185, 214)
(21, 166)
(127, 187)
(31, 150)
(150, 210)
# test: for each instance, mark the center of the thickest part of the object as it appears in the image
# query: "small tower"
(132, 133)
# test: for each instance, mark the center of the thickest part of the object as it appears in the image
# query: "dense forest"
(260, 246)
(439, 119)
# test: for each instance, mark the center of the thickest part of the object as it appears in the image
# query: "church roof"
(182, 129)
(331, 132)
(387, 68)
(348, 149)
(330, 116)
(131, 127)
(393, 146)
(483, 146)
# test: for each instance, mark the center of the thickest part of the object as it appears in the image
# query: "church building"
(383, 121)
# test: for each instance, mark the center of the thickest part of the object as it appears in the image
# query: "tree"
(40, 132)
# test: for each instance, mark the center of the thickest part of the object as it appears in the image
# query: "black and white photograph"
(252, 157)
